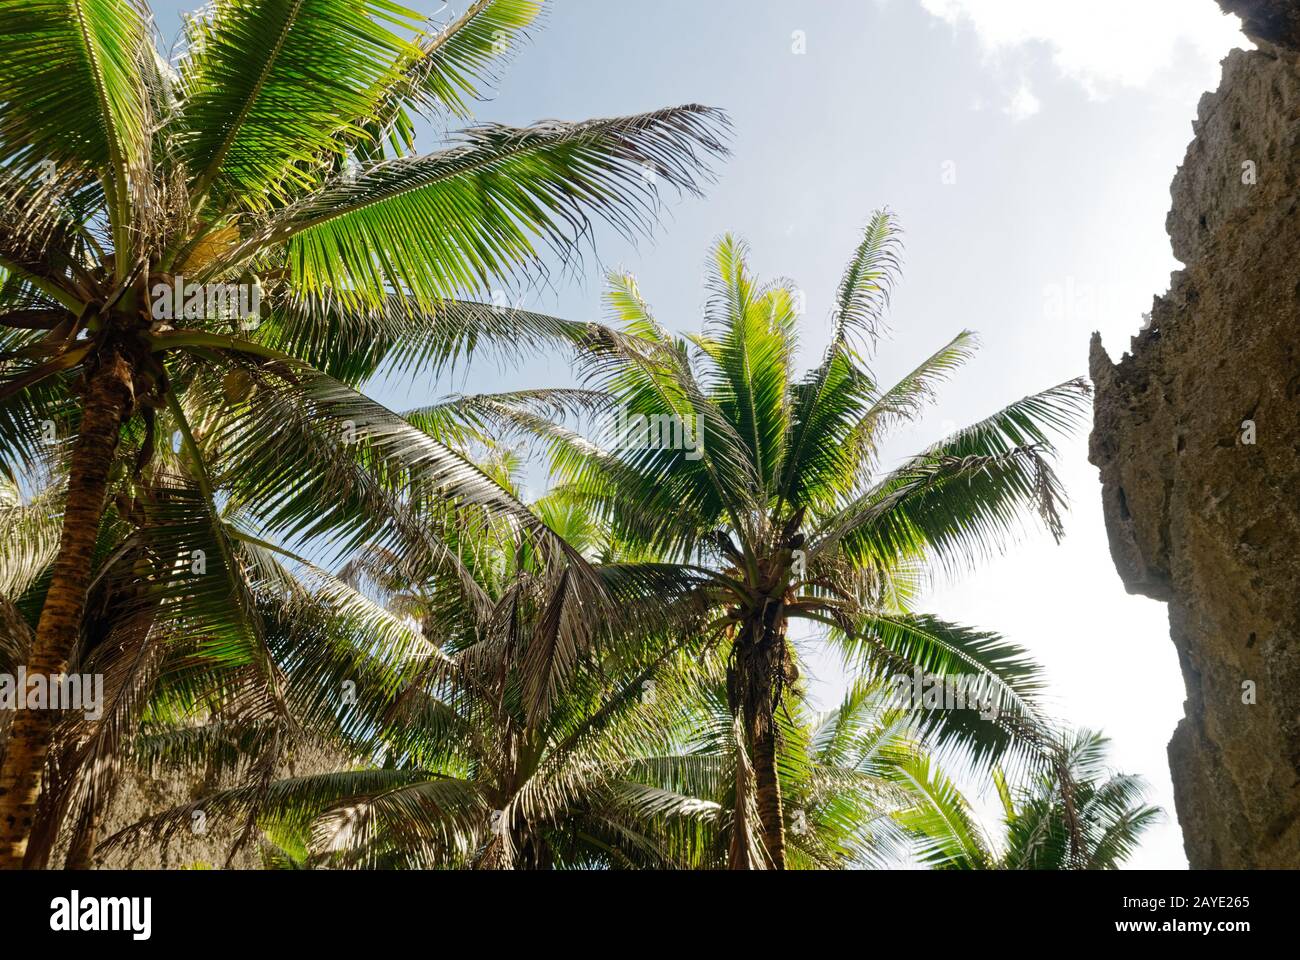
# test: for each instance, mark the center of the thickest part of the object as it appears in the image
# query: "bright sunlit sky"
(1059, 125)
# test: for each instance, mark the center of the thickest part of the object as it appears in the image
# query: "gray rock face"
(1197, 436)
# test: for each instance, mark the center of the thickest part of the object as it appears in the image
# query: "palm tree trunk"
(108, 401)
(15, 642)
(753, 689)
(769, 792)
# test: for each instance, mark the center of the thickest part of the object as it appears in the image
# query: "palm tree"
(454, 767)
(472, 777)
(147, 210)
(772, 493)
(632, 764)
(229, 673)
(248, 646)
(474, 788)
(1089, 819)
(838, 770)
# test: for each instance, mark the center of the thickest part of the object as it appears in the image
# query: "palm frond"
(440, 226)
(76, 67)
(266, 87)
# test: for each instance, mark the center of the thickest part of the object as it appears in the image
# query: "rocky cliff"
(1197, 435)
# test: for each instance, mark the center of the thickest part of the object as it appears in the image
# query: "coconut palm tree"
(175, 649)
(839, 772)
(235, 670)
(1090, 819)
(255, 223)
(470, 786)
(454, 769)
(632, 764)
(768, 486)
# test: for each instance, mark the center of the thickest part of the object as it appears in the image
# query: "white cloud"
(1102, 44)
(1023, 104)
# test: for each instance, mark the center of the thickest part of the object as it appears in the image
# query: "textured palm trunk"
(756, 677)
(768, 789)
(530, 853)
(50, 813)
(15, 642)
(108, 400)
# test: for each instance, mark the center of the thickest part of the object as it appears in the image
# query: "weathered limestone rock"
(1268, 21)
(208, 843)
(1197, 435)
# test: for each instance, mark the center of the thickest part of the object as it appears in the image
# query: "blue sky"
(1026, 145)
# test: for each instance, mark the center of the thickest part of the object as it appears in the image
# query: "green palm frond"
(949, 837)
(964, 497)
(496, 416)
(749, 336)
(75, 67)
(438, 226)
(30, 532)
(450, 64)
(353, 344)
(868, 280)
(962, 687)
(1076, 814)
(266, 87)
(905, 400)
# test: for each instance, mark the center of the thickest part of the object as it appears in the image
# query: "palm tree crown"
(777, 500)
